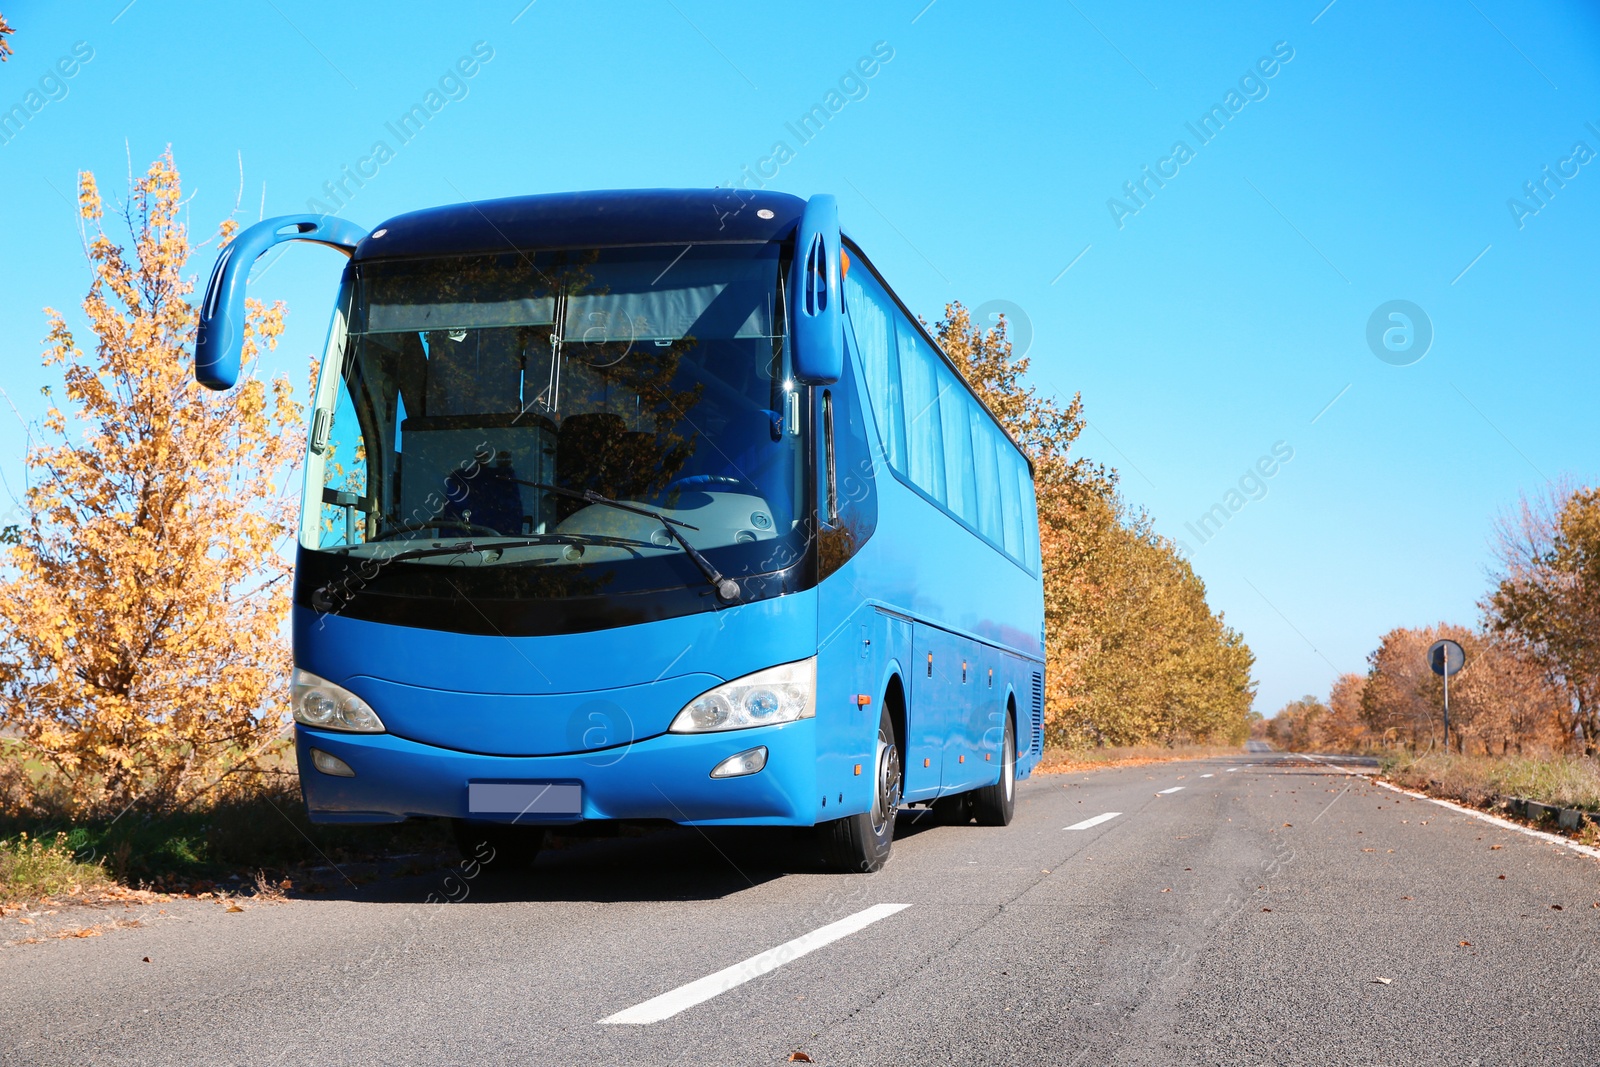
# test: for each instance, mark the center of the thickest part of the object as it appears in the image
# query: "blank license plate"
(524, 798)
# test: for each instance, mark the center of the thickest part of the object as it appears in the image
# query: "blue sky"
(978, 163)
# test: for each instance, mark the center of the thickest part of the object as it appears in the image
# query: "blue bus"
(647, 505)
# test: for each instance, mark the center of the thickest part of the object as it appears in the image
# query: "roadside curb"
(1538, 811)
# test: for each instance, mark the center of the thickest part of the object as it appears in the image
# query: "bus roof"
(586, 220)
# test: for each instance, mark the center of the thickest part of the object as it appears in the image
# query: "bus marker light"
(858, 770)
(749, 761)
(927, 763)
(961, 759)
(330, 764)
(862, 700)
(988, 757)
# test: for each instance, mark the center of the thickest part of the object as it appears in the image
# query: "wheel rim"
(1008, 763)
(887, 799)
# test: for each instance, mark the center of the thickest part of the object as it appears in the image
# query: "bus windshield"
(489, 412)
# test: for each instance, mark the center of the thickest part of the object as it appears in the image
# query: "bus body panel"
(666, 777)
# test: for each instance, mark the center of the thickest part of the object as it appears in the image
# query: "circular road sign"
(1446, 657)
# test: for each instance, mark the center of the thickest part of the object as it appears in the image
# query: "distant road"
(1210, 912)
(1255, 747)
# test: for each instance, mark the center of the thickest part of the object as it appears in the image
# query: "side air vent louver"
(1038, 712)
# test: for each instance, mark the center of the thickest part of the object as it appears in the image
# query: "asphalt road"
(1242, 919)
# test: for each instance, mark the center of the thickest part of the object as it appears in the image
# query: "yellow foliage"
(1133, 652)
(141, 603)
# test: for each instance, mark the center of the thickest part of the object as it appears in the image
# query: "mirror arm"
(219, 338)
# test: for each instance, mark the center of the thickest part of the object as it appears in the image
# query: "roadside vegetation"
(1524, 710)
(1563, 781)
(144, 733)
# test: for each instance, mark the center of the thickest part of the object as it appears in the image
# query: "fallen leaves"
(1383, 981)
(800, 1057)
(1496, 848)
(1466, 944)
(234, 907)
(1556, 907)
(146, 959)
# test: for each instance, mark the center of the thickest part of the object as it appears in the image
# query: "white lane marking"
(1208, 776)
(1174, 789)
(1504, 824)
(1230, 770)
(1096, 821)
(697, 992)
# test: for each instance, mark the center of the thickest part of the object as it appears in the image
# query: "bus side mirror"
(221, 331)
(815, 300)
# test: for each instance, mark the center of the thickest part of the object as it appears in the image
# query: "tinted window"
(955, 408)
(924, 434)
(986, 445)
(871, 313)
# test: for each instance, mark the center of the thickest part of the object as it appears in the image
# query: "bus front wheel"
(861, 843)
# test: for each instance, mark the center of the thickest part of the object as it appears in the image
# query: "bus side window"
(847, 505)
(919, 367)
(871, 315)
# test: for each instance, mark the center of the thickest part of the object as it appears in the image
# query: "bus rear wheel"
(861, 843)
(993, 805)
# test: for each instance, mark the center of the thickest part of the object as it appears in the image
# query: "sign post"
(1445, 657)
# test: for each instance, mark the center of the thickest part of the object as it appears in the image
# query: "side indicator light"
(858, 770)
(927, 763)
(862, 700)
(961, 759)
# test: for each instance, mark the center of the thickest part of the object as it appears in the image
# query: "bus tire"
(993, 805)
(860, 844)
(500, 847)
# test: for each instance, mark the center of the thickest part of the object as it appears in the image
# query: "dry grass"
(1076, 761)
(31, 868)
(1564, 781)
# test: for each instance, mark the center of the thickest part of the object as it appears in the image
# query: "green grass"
(1565, 781)
(32, 867)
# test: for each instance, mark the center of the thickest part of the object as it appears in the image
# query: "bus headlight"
(318, 702)
(777, 694)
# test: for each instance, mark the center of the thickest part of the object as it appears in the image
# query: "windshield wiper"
(726, 587)
(471, 546)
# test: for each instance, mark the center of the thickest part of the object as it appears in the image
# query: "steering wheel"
(701, 481)
(440, 523)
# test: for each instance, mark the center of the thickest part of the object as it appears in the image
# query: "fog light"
(749, 761)
(333, 765)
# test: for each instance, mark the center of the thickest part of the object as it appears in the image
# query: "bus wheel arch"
(894, 702)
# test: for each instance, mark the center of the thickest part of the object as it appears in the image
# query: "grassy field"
(1565, 781)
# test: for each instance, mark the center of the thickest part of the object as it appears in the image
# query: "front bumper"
(664, 777)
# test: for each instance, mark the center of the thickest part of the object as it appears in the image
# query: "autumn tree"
(1546, 599)
(142, 599)
(1134, 653)
(1299, 726)
(1344, 730)
(5, 45)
